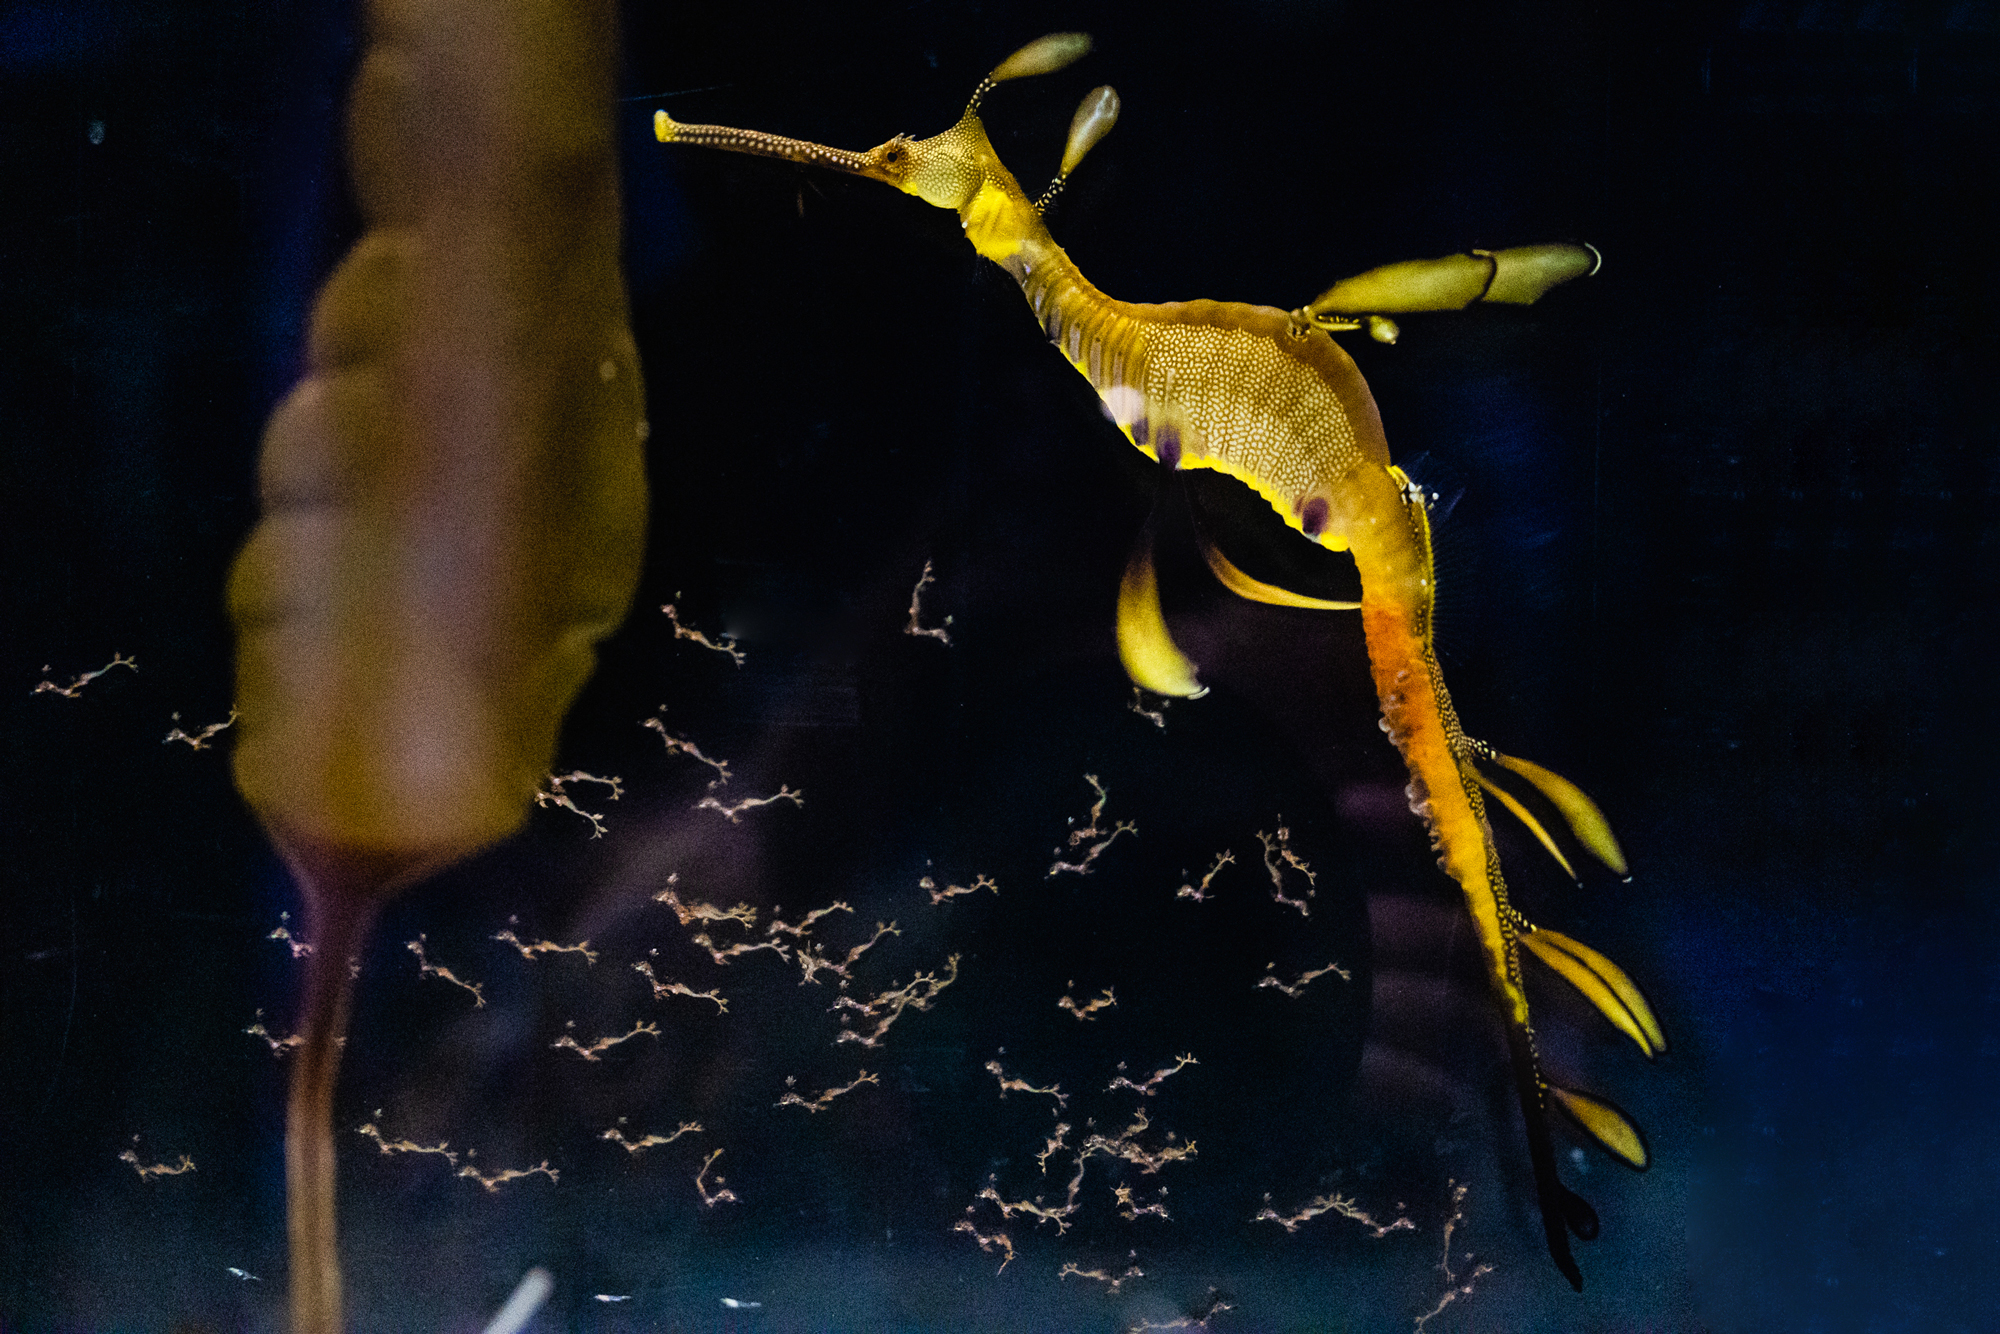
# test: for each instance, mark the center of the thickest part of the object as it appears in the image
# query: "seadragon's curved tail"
(1447, 789)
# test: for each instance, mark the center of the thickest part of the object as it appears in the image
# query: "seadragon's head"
(957, 169)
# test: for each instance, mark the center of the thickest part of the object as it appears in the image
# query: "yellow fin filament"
(1524, 274)
(1602, 983)
(1095, 116)
(1151, 658)
(1044, 55)
(1516, 277)
(1521, 813)
(1585, 820)
(1256, 590)
(1605, 1124)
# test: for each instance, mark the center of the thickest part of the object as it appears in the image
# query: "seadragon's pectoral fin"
(1256, 590)
(1603, 983)
(1151, 658)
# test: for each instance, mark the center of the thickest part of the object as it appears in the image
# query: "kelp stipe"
(454, 502)
(1265, 396)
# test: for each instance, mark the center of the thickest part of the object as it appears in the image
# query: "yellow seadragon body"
(1266, 397)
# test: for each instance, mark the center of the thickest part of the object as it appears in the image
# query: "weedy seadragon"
(1267, 397)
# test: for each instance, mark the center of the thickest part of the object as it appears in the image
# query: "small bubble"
(96, 132)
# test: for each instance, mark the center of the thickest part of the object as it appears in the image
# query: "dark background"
(1722, 550)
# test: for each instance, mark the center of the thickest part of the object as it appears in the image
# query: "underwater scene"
(607, 735)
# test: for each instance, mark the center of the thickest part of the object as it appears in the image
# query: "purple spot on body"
(1169, 448)
(1140, 430)
(1313, 519)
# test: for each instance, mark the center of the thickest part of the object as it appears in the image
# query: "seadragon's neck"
(1104, 340)
(1093, 331)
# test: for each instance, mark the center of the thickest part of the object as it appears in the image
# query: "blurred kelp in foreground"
(453, 502)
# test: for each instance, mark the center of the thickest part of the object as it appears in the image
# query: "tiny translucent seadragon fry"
(556, 793)
(592, 1051)
(1013, 1084)
(1112, 1282)
(1199, 892)
(1094, 834)
(1279, 858)
(1059, 1214)
(1266, 396)
(1198, 1316)
(279, 1046)
(802, 928)
(915, 625)
(950, 891)
(391, 1147)
(1106, 1000)
(425, 968)
(153, 1171)
(202, 740)
(492, 1184)
(720, 1194)
(617, 1136)
(47, 685)
(682, 746)
(733, 811)
(283, 931)
(694, 910)
(665, 987)
(1147, 1087)
(1132, 1211)
(888, 1006)
(1157, 717)
(1456, 1286)
(532, 950)
(825, 1098)
(1296, 987)
(726, 647)
(992, 1243)
(1336, 1203)
(1125, 1146)
(813, 960)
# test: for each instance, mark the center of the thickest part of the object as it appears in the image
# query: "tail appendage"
(1447, 790)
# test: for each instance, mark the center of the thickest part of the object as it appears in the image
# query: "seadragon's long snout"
(758, 144)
